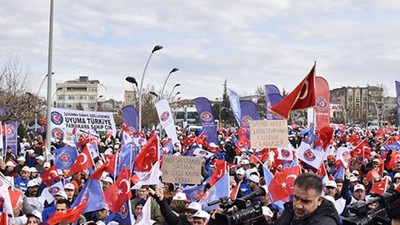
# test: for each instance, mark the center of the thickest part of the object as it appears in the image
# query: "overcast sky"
(247, 42)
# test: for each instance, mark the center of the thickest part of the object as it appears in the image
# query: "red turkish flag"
(108, 166)
(70, 216)
(363, 150)
(278, 188)
(119, 192)
(147, 156)
(220, 170)
(291, 175)
(354, 139)
(302, 97)
(380, 187)
(49, 175)
(135, 179)
(394, 158)
(243, 131)
(188, 141)
(241, 142)
(235, 191)
(83, 161)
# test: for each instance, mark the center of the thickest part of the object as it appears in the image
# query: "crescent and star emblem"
(304, 95)
(84, 158)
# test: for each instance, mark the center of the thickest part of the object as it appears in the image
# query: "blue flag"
(92, 193)
(218, 190)
(65, 157)
(125, 158)
(194, 193)
(130, 115)
(234, 101)
(204, 110)
(394, 146)
(272, 97)
(398, 99)
(123, 214)
(339, 173)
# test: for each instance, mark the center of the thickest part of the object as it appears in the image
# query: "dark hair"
(64, 201)
(339, 181)
(309, 181)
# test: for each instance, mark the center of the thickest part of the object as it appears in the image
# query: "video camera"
(239, 211)
(378, 215)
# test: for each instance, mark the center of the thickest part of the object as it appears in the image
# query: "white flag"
(49, 192)
(150, 178)
(7, 207)
(310, 156)
(166, 120)
(285, 153)
(144, 216)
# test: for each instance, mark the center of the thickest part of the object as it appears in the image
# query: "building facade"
(81, 94)
(357, 105)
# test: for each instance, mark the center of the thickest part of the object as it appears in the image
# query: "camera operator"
(308, 206)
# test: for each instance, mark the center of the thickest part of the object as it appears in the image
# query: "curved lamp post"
(176, 85)
(156, 48)
(165, 82)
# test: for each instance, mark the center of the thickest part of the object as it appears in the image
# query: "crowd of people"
(319, 195)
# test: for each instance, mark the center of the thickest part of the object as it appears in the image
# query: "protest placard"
(181, 169)
(268, 134)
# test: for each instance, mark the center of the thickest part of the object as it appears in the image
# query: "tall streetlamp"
(132, 80)
(49, 83)
(37, 96)
(166, 79)
(176, 85)
(376, 107)
(55, 92)
(156, 48)
(97, 102)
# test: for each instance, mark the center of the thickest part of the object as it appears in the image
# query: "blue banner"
(398, 99)
(11, 136)
(234, 100)
(272, 97)
(249, 112)
(130, 115)
(204, 110)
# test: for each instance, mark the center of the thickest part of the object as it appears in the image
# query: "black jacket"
(170, 217)
(325, 214)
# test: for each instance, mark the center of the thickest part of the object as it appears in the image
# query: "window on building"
(92, 97)
(61, 97)
(71, 97)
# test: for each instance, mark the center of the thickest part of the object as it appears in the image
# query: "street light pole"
(165, 82)
(170, 94)
(49, 80)
(156, 48)
(376, 108)
(37, 97)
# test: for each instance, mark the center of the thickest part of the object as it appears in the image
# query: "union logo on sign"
(246, 119)
(164, 116)
(54, 190)
(206, 116)
(322, 103)
(56, 118)
(10, 130)
(309, 155)
(285, 153)
(57, 133)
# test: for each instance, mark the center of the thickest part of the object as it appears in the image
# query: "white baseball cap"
(244, 162)
(9, 163)
(331, 183)
(180, 196)
(195, 206)
(36, 214)
(353, 179)
(33, 170)
(46, 164)
(107, 179)
(26, 169)
(33, 183)
(40, 157)
(201, 214)
(376, 160)
(69, 186)
(240, 171)
(21, 159)
(254, 178)
(62, 194)
(397, 175)
(359, 187)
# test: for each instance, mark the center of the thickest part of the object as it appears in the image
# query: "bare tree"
(15, 102)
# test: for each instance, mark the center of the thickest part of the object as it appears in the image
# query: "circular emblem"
(346, 156)
(309, 155)
(206, 116)
(42, 129)
(197, 195)
(56, 118)
(164, 116)
(87, 195)
(246, 120)
(123, 212)
(398, 100)
(10, 130)
(322, 103)
(285, 153)
(54, 190)
(65, 158)
(132, 129)
(205, 195)
(57, 133)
